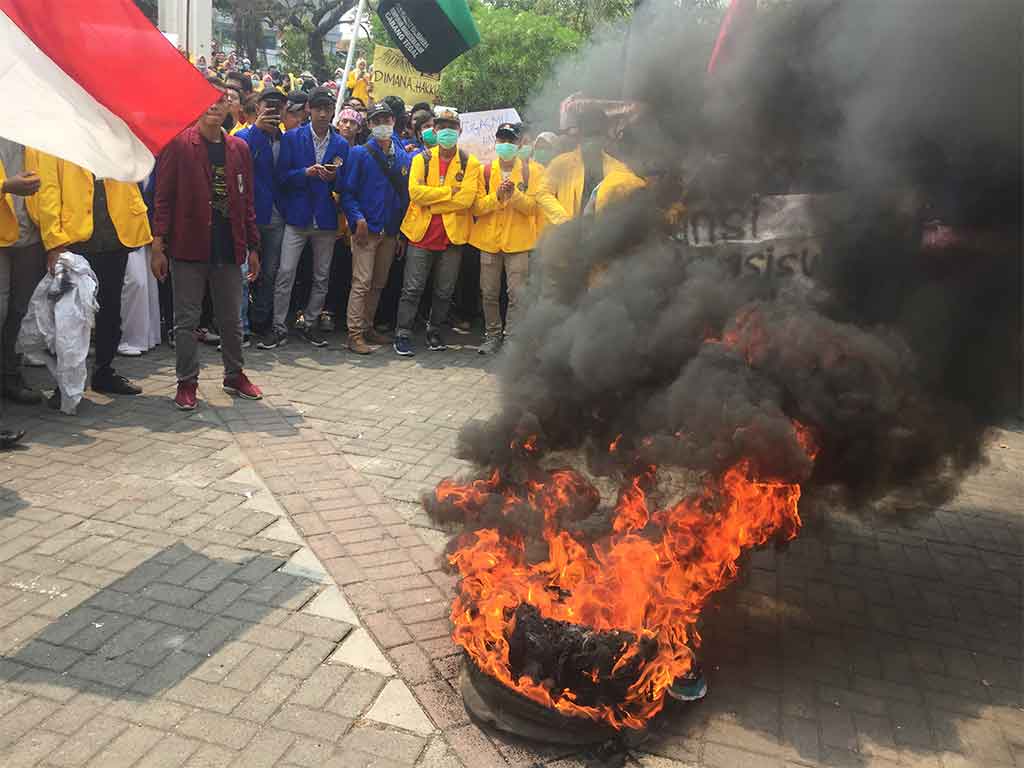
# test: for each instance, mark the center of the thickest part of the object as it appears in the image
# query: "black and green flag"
(431, 33)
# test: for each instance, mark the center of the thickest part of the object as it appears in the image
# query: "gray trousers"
(418, 263)
(190, 278)
(21, 269)
(295, 240)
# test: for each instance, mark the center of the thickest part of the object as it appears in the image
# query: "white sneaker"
(33, 360)
(128, 351)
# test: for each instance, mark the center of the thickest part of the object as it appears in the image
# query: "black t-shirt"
(104, 236)
(222, 245)
(593, 174)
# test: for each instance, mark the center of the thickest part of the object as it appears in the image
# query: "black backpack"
(463, 161)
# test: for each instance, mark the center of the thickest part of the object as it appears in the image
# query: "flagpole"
(348, 60)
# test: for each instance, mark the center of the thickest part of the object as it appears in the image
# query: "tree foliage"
(580, 15)
(294, 44)
(516, 54)
(301, 24)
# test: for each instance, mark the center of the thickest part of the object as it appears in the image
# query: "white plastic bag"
(58, 323)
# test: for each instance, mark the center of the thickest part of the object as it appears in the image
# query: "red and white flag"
(94, 82)
(738, 16)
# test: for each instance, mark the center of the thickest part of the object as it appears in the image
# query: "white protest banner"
(769, 235)
(478, 131)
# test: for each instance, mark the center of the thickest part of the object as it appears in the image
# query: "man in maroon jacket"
(205, 222)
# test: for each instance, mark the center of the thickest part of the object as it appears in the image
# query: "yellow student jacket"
(560, 196)
(510, 226)
(8, 220)
(63, 207)
(429, 197)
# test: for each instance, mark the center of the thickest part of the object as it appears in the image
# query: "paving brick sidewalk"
(163, 602)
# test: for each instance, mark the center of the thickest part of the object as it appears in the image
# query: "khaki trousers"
(371, 264)
(517, 270)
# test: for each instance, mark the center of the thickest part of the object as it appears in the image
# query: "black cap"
(321, 97)
(508, 131)
(593, 122)
(396, 104)
(297, 100)
(272, 94)
(378, 110)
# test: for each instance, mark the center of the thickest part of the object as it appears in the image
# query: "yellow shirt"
(509, 226)
(428, 197)
(358, 87)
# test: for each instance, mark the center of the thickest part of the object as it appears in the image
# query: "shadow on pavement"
(11, 502)
(147, 631)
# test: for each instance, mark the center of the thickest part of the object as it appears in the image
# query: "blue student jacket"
(306, 199)
(267, 191)
(366, 193)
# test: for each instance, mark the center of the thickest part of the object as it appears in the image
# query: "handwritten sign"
(393, 75)
(769, 235)
(478, 130)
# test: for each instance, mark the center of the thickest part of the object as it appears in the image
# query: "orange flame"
(652, 585)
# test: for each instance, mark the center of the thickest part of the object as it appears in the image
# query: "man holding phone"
(306, 172)
(264, 140)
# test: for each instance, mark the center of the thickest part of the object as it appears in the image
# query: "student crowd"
(262, 177)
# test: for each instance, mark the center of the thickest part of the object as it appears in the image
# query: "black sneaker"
(9, 439)
(273, 340)
(114, 384)
(309, 332)
(434, 341)
(403, 346)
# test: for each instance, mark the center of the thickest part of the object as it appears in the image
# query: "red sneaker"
(240, 385)
(186, 397)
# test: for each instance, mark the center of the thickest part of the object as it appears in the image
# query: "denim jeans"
(270, 259)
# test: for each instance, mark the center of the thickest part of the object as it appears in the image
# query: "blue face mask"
(525, 153)
(448, 137)
(506, 151)
(429, 137)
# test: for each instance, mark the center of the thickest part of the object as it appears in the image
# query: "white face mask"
(382, 131)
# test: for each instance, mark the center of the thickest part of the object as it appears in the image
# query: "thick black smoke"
(897, 356)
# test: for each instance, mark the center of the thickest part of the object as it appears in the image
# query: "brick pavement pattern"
(255, 584)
